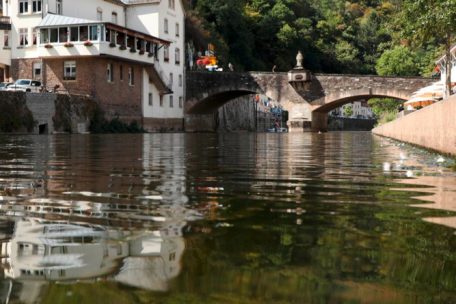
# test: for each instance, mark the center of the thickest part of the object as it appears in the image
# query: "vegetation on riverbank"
(335, 36)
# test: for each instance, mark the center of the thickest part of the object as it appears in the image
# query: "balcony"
(5, 23)
(62, 36)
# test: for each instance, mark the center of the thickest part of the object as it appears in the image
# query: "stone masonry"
(307, 102)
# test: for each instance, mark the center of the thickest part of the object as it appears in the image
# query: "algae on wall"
(71, 110)
(14, 114)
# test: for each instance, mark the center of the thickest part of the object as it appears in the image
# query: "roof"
(56, 20)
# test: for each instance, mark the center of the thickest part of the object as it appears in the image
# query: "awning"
(58, 20)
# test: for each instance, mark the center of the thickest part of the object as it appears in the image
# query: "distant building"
(128, 55)
(360, 110)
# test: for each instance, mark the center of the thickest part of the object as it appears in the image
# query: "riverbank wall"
(433, 127)
(350, 124)
(45, 113)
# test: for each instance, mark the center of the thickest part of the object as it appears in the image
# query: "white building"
(128, 55)
(360, 110)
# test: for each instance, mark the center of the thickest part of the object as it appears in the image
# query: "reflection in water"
(224, 218)
(63, 228)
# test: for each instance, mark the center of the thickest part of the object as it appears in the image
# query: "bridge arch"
(333, 101)
(211, 103)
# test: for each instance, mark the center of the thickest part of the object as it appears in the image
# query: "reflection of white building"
(42, 251)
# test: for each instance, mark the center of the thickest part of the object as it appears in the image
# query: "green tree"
(423, 20)
(400, 61)
(383, 105)
(348, 111)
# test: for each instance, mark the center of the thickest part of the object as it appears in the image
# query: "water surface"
(235, 218)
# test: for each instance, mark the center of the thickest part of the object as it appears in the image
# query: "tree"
(400, 61)
(422, 20)
(381, 106)
(348, 111)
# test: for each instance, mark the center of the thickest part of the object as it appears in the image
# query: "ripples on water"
(235, 218)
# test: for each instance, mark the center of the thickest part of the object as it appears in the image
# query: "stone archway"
(331, 102)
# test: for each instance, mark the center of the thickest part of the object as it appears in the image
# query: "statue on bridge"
(299, 60)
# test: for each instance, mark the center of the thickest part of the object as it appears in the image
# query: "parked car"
(25, 85)
(4, 85)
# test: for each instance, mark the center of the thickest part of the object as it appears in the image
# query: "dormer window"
(114, 18)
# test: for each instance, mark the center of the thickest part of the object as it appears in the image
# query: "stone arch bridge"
(308, 98)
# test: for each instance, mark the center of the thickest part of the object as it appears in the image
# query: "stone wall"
(42, 106)
(14, 114)
(433, 127)
(350, 124)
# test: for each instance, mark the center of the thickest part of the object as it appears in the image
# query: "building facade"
(360, 109)
(128, 55)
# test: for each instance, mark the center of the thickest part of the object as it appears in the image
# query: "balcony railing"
(5, 23)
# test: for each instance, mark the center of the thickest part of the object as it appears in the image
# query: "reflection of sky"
(74, 218)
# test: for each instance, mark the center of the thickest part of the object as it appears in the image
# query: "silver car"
(25, 85)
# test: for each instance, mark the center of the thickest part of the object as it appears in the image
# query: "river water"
(229, 218)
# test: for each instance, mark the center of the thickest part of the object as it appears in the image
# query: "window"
(171, 4)
(121, 72)
(99, 14)
(177, 30)
(166, 26)
(181, 102)
(171, 101)
(37, 70)
(69, 70)
(161, 101)
(93, 32)
(58, 8)
(23, 6)
(54, 35)
(114, 18)
(6, 39)
(131, 76)
(36, 6)
(34, 36)
(150, 99)
(23, 36)
(63, 34)
(180, 80)
(83, 33)
(177, 55)
(166, 53)
(171, 80)
(74, 33)
(109, 73)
